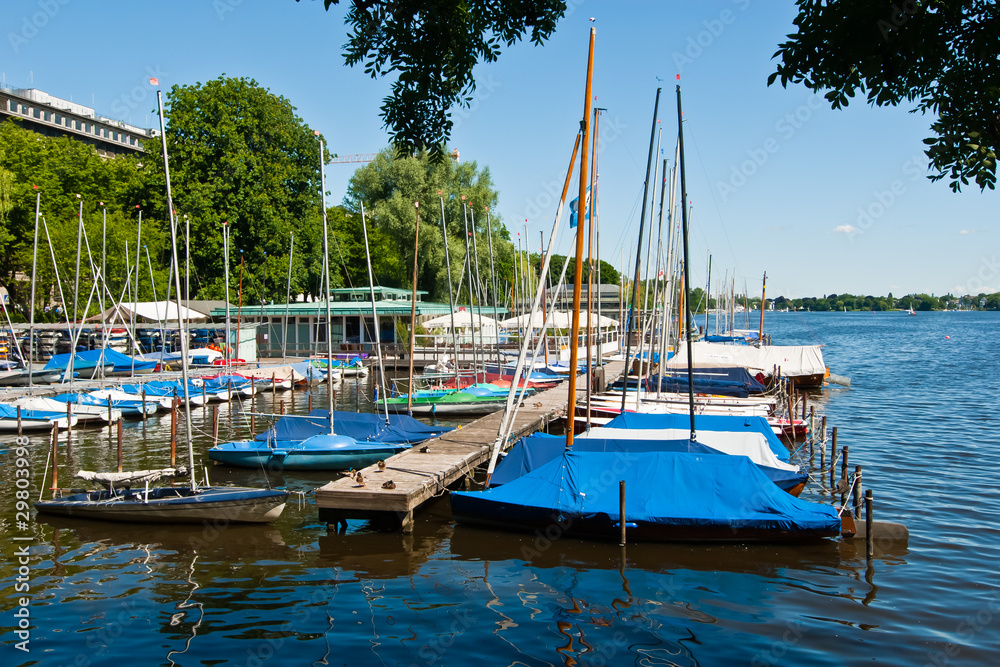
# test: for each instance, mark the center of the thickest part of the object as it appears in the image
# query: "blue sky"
(824, 201)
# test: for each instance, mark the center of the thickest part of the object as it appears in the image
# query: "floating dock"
(419, 476)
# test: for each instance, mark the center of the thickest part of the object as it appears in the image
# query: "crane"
(368, 157)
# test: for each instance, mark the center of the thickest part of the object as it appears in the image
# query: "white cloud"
(843, 229)
(968, 231)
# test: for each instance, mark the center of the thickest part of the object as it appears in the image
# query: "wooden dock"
(420, 476)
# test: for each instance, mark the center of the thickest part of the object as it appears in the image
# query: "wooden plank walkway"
(420, 476)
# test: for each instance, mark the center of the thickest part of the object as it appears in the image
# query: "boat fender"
(279, 453)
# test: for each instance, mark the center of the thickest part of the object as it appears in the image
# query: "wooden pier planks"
(419, 476)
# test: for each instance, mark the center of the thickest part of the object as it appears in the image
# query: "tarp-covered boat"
(537, 449)
(305, 443)
(669, 496)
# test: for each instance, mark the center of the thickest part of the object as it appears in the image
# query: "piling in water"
(843, 476)
(55, 459)
(869, 538)
(833, 459)
(119, 445)
(215, 425)
(621, 511)
(857, 493)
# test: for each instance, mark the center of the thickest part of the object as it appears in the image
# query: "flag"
(574, 205)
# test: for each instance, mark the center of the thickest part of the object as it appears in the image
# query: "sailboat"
(119, 501)
(706, 497)
(910, 311)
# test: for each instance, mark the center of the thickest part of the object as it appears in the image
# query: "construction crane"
(368, 157)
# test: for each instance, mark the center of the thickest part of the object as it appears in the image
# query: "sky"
(824, 201)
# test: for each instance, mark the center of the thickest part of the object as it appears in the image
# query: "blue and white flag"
(574, 206)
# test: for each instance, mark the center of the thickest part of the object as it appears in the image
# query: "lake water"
(920, 417)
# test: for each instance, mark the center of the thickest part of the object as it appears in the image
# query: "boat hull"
(601, 526)
(172, 505)
(292, 460)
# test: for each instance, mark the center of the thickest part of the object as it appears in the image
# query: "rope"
(850, 491)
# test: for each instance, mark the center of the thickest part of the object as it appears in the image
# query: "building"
(54, 117)
(350, 312)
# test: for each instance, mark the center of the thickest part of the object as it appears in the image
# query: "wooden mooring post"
(869, 520)
(215, 425)
(119, 445)
(843, 476)
(857, 493)
(621, 511)
(833, 459)
(55, 459)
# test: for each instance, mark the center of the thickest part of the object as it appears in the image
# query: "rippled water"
(920, 418)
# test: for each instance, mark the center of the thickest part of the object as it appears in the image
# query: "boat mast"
(763, 293)
(225, 262)
(578, 269)
(177, 283)
(468, 264)
(135, 291)
(590, 263)
(371, 293)
(451, 296)
(638, 251)
(413, 307)
(326, 272)
(493, 288)
(288, 297)
(687, 265)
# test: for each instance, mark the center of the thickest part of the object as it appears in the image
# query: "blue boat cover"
(122, 362)
(665, 488)
(729, 381)
(536, 450)
(640, 420)
(10, 412)
(363, 427)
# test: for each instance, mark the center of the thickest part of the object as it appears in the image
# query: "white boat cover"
(464, 319)
(212, 355)
(559, 320)
(750, 444)
(793, 360)
(135, 478)
(279, 373)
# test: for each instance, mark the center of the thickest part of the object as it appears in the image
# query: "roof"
(341, 308)
(150, 311)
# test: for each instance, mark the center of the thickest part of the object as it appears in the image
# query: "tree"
(67, 173)
(389, 187)
(938, 55)
(240, 155)
(432, 47)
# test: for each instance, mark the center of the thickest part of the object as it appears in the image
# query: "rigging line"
(628, 224)
(715, 201)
